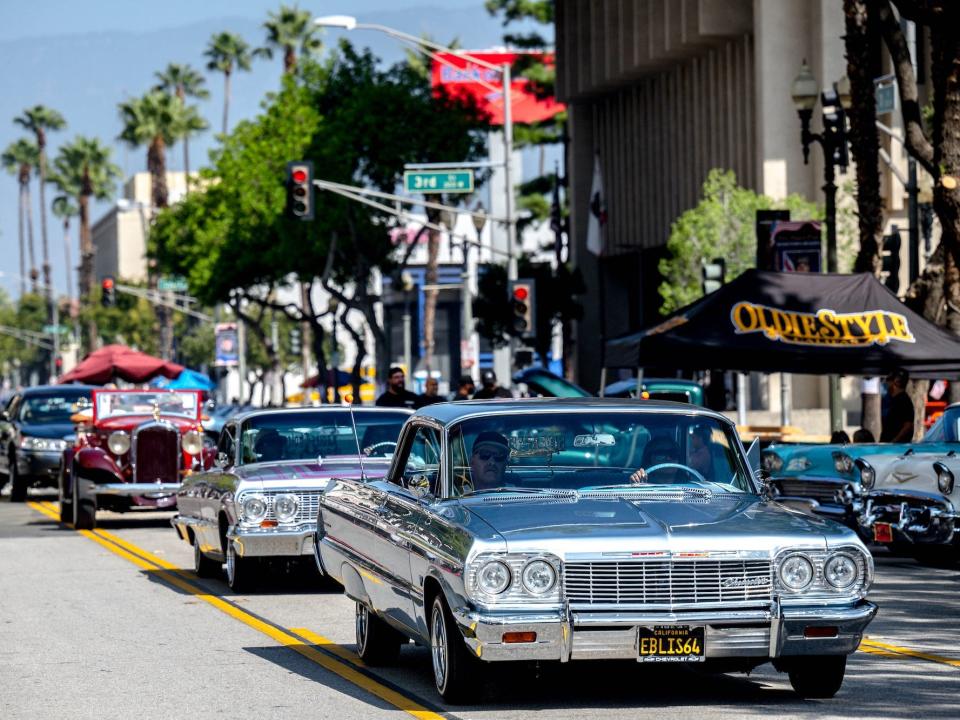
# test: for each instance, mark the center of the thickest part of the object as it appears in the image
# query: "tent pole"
(741, 398)
(786, 398)
(603, 380)
(639, 383)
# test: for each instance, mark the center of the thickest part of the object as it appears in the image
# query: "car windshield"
(308, 435)
(596, 451)
(116, 404)
(49, 409)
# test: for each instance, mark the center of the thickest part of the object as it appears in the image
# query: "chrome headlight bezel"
(800, 562)
(771, 462)
(868, 475)
(800, 463)
(840, 557)
(250, 512)
(286, 506)
(192, 442)
(820, 589)
(118, 442)
(842, 462)
(528, 575)
(945, 479)
(517, 592)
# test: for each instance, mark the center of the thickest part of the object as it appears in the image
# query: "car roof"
(243, 417)
(58, 390)
(448, 412)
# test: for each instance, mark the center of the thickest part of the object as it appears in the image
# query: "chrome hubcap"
(362, 621)
(231, 564)
(438, 647)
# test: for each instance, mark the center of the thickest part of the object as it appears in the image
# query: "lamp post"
(833, 141)
(406, 285)
(332, 306)
(348, 22)
(466, 292)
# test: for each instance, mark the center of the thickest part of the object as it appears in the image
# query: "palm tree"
(82, 171)
(183, 81)
(64, 208)
(157, 120)
(38, 120)
(227, 51)
(19, 159)
(289, 30)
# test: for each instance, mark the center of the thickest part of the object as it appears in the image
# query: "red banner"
(462, 78)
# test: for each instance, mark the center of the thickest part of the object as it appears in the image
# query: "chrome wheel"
(362, 628)
(231, 565)
(438, 647)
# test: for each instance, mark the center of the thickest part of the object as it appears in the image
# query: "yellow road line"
(328, 644)
(171, 574)
(896, 651)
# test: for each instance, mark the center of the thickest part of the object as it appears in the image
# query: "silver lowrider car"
(589, 529)
(260, 500)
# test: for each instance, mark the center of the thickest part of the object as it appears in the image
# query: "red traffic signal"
(300, 189)
(107, 283)
(108, 292)
(520, 292)
(522, 311)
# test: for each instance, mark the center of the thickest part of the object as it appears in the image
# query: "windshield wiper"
(533, 491)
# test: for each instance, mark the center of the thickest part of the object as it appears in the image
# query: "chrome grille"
(823, 492)
(156, 453)
(308, 504)
(667, 582)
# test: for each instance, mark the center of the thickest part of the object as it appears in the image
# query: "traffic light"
(300, 189)
(714, 273)
(523, 308)
(295, 346)
(891, 259)
(108, 292)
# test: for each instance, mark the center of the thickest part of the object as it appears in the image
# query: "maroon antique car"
(132, 451)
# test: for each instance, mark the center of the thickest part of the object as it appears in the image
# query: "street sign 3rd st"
(441, 181)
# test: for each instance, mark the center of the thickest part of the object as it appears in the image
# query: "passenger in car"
(488, 462)
(269, 446)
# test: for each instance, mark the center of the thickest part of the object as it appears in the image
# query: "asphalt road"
(114, 624)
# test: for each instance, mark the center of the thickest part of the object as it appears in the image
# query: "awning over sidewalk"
(794, 322)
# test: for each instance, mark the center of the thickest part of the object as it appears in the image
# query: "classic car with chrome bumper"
(589, 529)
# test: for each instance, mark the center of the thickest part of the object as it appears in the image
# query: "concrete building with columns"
(662, 91)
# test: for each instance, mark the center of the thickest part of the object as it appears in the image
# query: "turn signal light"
(268, 523)
(519, 637)
(820, 631)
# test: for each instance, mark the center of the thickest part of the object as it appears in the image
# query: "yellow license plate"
(671, 643)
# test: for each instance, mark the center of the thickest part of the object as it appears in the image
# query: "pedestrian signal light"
(890, 258)
(522, 310)
(108, 292)
(300, 189)
(713, 274)
(295, 341)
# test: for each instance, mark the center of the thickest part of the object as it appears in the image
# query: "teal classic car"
(891, 493)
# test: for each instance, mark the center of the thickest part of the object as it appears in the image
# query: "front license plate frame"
(883, 533)
(671, 643)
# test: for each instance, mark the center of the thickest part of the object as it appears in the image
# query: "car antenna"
(356, 438)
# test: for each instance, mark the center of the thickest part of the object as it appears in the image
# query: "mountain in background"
(85, 76)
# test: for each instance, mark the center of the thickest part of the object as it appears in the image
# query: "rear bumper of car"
(273, 542)
(760, 634)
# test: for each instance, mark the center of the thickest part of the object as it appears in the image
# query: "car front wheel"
(18, 483)
(456, 673)
(817, 676)
(84, 514)
(243, 574)
(377, 642)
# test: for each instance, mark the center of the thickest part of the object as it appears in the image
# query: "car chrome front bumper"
(273, 542)
(571, 635)
(150, 490)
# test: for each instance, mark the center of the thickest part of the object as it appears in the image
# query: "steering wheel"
(678, 466)
(370, 449)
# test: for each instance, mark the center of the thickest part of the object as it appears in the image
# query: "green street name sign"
(175, 283)
(438, 181)
(54, 329)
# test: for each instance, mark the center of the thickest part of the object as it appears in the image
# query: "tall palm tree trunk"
(66, 257)
(47, 290)
(186, 145)
(289, 60)
(157, 167)
(86, 265)
(226, 101)
(34, 273)
(22, 211)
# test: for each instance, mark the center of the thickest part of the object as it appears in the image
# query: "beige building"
(119, 237)
(662, 91)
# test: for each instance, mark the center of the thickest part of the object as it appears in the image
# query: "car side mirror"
(223, 460)
(419, 485)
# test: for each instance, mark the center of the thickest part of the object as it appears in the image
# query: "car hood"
(293, 473)
(57, 430)
(625, 524)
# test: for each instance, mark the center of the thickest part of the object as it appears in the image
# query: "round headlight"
(539, 577)
(868, 476)
(118, 442)
(796, 572)
(945, 479)
(771, 462)
(841, 571)
(493, 578)
(286, 507)
(254, 508)
(192, 442)
(842, 463)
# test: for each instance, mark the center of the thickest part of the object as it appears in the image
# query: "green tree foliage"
(131, 321)
(722, 225)
(29, 313)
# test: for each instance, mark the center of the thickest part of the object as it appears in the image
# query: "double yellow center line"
(321, 650)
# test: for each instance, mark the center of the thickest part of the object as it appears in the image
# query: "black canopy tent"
(794, 322)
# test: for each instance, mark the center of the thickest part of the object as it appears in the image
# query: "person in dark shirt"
(490, 389)
(465, 388)
(431, 393)
(897, 425)
(396, 394)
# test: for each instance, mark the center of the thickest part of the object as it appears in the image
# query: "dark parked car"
(35, 429)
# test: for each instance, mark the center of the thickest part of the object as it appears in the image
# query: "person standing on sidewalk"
(897, 423)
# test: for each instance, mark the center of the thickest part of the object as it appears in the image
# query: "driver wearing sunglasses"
(488, 462)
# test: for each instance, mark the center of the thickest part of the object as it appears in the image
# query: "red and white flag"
(598, 210)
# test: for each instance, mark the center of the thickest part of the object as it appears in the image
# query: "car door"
(400, 514)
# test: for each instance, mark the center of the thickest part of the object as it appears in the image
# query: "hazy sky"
(84, 57)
